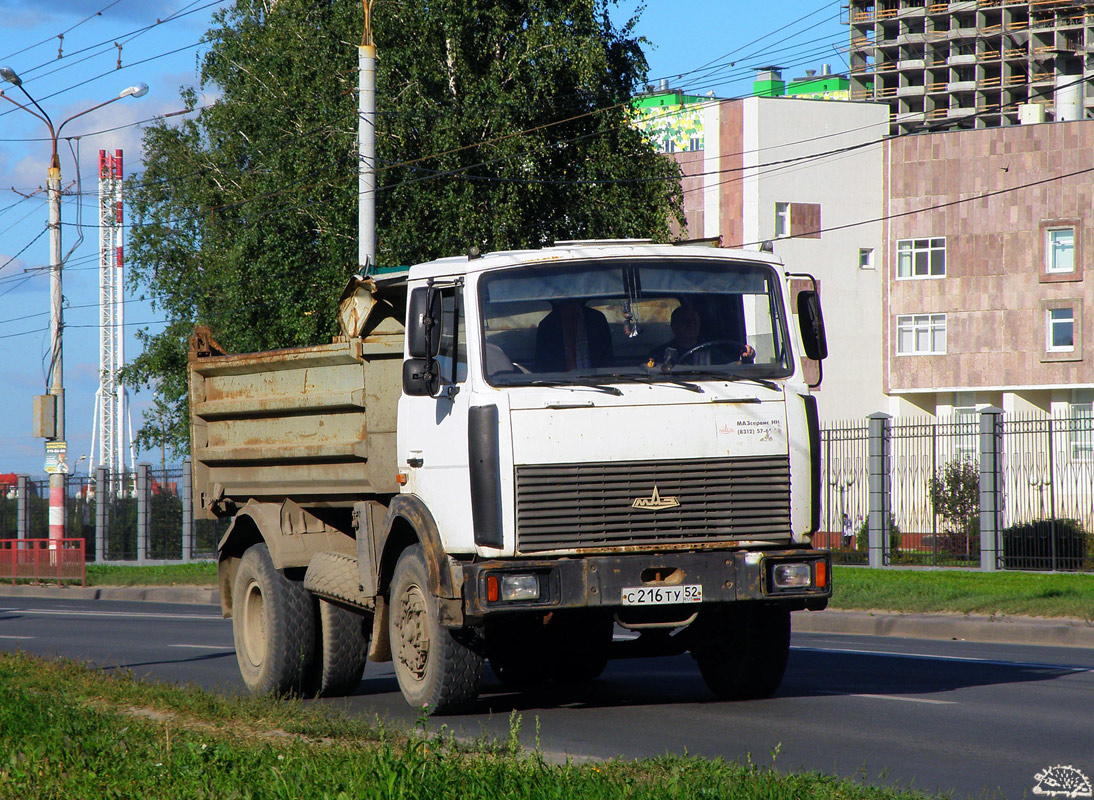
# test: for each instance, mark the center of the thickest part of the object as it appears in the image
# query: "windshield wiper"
(732, 377)
(633, 377)
(582, 381)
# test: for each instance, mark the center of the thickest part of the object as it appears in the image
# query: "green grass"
(67, 731)
(922, 591)
(199, 574)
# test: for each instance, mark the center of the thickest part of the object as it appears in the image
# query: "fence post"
(144, 506)
(878, 465)
(22, 507)
(991, 486)
(102, 503)
(187, 514)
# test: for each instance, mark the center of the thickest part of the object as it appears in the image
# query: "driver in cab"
(687, 347)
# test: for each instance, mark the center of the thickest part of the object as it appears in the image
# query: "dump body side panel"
(312, 424)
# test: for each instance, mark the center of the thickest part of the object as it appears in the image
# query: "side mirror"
(811, 323)
(423, 330)
(421, 377)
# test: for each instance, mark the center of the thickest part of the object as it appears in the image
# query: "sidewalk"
(1000, 630)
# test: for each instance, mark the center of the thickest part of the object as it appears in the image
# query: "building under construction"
(973, 63)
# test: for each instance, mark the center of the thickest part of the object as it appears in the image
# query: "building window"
(1059, 250)
(782, 220)
(967, 430)
(866, 258)
(1081, 429)
(1060, 329)
(695, 144)
(921, 334)
(798, 220)
(921, 258)
(670, 146)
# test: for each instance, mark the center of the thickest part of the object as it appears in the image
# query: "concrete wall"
(848, 186)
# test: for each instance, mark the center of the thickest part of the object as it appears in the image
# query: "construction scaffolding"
(972, 63)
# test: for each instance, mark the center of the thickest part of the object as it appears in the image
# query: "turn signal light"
(492, 592)
(822, 575)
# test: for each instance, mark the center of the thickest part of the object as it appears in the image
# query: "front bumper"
(727, 576)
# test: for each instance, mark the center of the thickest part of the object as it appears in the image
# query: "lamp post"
(56, 372)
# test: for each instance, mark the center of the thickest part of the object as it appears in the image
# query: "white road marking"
(205, 647)
(956, 659)
(120, 614)
(17, 637)
(895, 697)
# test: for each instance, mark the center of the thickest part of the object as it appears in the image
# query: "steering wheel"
(731, 346)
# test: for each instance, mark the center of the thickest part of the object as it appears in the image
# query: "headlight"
(512, 588)
(515, 588)
(791, 576)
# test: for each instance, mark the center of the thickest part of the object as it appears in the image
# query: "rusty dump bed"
(312, 424)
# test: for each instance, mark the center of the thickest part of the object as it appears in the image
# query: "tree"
(955, 494)
(502, 124)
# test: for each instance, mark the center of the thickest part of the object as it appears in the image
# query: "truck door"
(432, 433)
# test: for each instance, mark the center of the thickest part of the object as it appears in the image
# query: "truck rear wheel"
(273, 623)
(742, 651)
(436, 673)
(341, 650)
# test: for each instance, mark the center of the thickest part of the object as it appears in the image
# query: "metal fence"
(1045, 495)
(127, 517)
(844, 500)
(1048, 479)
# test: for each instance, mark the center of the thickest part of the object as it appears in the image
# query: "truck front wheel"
(742, 651)
(273, 623)
(436, 672)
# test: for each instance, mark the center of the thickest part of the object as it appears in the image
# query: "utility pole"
(51, 408)
(366, 146)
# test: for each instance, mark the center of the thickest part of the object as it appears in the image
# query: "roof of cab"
(582, 251)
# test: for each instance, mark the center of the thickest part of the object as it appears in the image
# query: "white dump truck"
(508, 457)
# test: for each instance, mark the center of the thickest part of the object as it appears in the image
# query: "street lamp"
(56, 432)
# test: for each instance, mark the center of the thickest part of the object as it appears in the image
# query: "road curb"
(961, 627)
(189, 595)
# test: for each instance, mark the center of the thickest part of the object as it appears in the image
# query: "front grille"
(571, 506)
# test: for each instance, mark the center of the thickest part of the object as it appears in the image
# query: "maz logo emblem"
(655, 502)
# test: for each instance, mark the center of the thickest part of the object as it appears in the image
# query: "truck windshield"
(618, 320)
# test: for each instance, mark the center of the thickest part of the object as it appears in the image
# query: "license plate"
(662, 595)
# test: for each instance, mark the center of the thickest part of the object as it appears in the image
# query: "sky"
(67, 54)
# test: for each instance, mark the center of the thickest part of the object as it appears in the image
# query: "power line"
(60, 35)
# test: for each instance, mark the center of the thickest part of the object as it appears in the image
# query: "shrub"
(955, 494)
(1029, 545)
(862, 536)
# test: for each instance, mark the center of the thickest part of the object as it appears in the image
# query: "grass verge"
(925, 591)
(199, 574)
(68, 731)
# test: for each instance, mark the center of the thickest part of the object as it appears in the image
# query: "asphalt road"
(974, 720)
